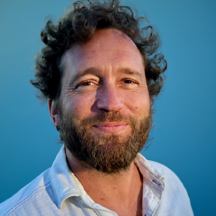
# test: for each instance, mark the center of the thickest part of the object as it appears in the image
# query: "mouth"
(111, 127)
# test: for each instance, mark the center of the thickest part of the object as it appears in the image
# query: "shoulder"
(35, 190)
(171, 192)
(170, 179)
(165, 172)
(174, 197)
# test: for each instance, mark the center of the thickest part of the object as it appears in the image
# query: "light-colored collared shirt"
(57, 191)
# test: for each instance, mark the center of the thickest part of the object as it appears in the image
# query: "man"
(100, 74)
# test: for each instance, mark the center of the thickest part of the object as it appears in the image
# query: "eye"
(130, 81)
(86, 83)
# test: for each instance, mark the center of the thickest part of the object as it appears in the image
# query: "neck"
(110, 190)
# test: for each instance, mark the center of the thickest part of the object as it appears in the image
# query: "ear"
(53, 111)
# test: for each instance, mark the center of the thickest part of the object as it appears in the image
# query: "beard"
(105, 153)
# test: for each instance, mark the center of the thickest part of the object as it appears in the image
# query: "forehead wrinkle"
(81, 51)
(130, 71)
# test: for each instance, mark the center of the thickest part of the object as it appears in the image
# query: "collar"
(62, 179)
(65, 184)
(150, 174)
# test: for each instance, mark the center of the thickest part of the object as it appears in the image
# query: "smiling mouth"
(111, 127)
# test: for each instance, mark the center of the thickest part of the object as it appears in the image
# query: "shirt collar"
(150, 175)
(65, 184)
(62, 179)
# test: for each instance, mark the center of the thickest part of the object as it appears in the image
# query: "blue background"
(184, 135)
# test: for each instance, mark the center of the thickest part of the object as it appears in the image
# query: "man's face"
(104, 106)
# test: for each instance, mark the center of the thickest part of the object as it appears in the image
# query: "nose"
(109, 99)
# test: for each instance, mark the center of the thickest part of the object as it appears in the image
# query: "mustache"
(106, 116)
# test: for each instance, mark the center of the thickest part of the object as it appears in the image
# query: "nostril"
(104, 110)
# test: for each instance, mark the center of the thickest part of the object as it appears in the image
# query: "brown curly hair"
(78, 26)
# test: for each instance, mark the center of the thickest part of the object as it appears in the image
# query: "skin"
(106, 74)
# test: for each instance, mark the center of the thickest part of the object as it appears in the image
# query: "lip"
(111, 127)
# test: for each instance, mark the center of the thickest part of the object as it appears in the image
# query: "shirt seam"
(16, 206)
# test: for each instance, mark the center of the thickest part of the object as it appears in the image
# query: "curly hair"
(78, 26)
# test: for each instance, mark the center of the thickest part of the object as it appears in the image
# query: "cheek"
(138, 103)
(80, 106)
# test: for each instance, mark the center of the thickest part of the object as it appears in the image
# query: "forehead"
(108, 47)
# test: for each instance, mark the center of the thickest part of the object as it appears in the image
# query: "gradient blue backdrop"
(184, 135)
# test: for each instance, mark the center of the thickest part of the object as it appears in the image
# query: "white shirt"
(58, 192)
